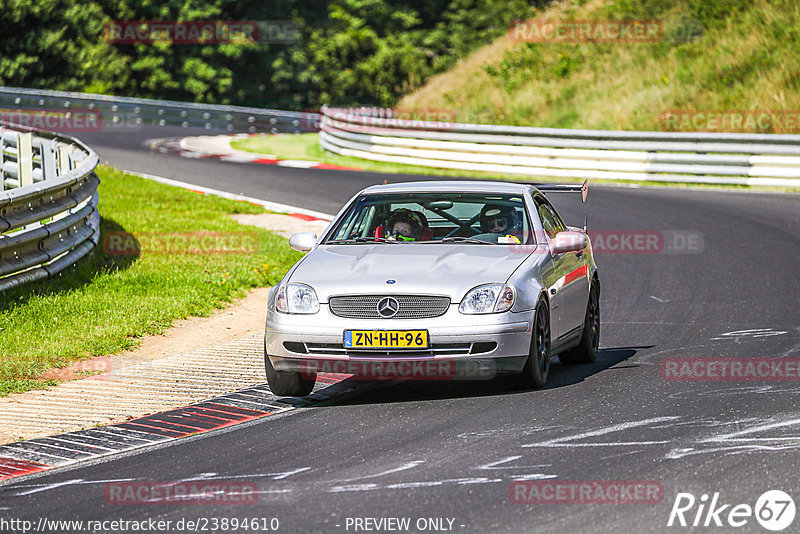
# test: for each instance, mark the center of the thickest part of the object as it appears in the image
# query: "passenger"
(404, 225)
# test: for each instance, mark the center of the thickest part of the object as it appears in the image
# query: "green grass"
(306, 146)
(108, 302)
(720, 55)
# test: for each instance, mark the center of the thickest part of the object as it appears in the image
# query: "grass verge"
(193, 258)
(306, 147)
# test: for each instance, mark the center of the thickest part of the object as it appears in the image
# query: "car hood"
(448, 269)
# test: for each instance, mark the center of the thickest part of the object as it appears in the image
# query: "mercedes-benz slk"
(436, 280)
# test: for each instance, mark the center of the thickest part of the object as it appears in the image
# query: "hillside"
(727, 57)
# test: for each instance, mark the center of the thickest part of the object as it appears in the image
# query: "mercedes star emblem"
(388, 307)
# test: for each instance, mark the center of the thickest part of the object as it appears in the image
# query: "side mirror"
(569, 241)
(303, 241)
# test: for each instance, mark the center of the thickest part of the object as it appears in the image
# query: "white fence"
(715, 158)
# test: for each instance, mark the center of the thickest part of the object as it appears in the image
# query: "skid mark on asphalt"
(748, 435)
(289, 481)
(753, 333)
(490, 433)
(404, 467)
(570, 441)
(734, 391)
(502, 464)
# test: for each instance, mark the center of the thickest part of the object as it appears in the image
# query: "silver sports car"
(436, 280)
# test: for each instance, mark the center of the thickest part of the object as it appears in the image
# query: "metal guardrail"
(48, 204)
(717, 158)
(118, 113)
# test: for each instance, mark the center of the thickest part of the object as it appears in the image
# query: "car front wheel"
(288, 383)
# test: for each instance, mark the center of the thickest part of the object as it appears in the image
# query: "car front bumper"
(460, 346)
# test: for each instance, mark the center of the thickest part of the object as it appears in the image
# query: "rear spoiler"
(570, 188)
(566, 188)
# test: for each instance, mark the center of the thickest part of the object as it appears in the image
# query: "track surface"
(451, 450)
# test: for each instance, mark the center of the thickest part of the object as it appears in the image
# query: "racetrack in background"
(451, 450)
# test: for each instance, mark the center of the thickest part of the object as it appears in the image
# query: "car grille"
(337, 349)
(458, 349)
(411, 306)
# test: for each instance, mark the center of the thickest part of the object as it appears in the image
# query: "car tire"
(586, 351)
(537, 366)
(288, 383)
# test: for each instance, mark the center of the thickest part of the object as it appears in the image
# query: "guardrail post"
(25, 159)
(47, 151)
(63, 158)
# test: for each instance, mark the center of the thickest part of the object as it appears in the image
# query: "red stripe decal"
(580, 272)
(266, 160)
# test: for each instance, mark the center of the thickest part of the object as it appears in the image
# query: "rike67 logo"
(774, 510)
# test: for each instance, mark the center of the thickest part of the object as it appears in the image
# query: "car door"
(570, 289)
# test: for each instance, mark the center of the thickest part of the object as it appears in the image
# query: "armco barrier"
(717, 158)
(48, 204)
(121, 113)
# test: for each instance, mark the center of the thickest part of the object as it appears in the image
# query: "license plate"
(386, 339)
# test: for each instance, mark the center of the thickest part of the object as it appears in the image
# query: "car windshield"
(419, 218)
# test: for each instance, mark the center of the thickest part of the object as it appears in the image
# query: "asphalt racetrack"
(721, 283)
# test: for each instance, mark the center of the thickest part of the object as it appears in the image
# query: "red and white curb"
(218, 147)
(294, 211)
(257, 402)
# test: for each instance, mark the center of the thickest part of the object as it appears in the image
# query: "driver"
(404, 225)
(499, 219)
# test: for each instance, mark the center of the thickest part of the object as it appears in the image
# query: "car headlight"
(489, 298)
(296, 298)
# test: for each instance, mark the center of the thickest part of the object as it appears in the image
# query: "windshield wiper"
(363, 239)
(462, 239)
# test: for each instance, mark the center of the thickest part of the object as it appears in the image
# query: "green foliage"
(348, 51)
